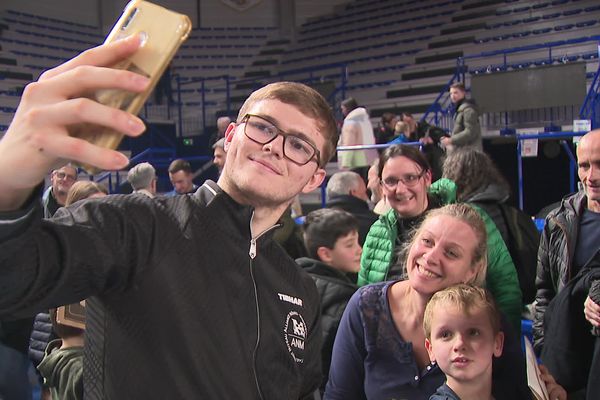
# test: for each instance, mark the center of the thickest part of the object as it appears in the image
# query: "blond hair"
(469, 216)
(466, 298)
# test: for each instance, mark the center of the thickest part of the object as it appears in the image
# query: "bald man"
(569, 245)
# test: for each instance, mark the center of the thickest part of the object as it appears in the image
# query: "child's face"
(346, 252)
(463, 345)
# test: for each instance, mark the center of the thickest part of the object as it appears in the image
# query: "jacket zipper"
(252, 254)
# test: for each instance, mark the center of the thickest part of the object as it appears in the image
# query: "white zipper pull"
(252, 251)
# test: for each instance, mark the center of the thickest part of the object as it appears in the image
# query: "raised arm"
(38, 137)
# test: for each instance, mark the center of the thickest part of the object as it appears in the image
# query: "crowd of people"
(415, 290)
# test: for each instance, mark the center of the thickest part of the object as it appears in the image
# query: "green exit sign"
(188, 142)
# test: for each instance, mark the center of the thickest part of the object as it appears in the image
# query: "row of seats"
(54, 21)
(536, 7)
(541, 62)
(223, 37)
(211, 56)
(30, 25)
(388, 15)
(233, 28)
(394, 32)
(366, 48)
(543, 31)
(545, 17)
(364, 15)
(220, 46)
(444, 13)
(85, 43)
(208, 67)
(41, 45)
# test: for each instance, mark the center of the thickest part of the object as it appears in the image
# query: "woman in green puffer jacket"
(406, 182)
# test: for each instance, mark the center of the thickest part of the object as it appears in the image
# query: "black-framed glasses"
(295, 148)
(408, 180)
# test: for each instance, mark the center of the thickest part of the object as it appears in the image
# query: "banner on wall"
(241, 5)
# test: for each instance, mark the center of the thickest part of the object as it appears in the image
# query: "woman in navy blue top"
(379, 351)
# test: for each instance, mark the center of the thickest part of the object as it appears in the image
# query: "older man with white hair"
(346, 190)
(142, 179)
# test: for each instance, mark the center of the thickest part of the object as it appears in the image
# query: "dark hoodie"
(335, 290)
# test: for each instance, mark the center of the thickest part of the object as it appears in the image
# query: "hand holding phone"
(161, 32)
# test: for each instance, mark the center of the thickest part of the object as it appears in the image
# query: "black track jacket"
(183, 304)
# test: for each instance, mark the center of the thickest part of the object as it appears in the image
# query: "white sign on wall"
(581, 125)
(529, 147)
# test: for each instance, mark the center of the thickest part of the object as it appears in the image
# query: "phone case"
(163, 31)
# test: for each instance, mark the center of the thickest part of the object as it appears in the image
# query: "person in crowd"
(356, 130)
(331, 240)
(480, 183)
(346, 190)
(62, 365)
(238, 317)
(463, 336)
(219, 154)
(405, 177)
(222, 124)
(430, 137)
(401, 132)
(181, 177)
(467, 130)
(142, 179)
(61, 180)
(377, 199)
(384, 132)
(379, 351)
(54, 197)
(568, 252)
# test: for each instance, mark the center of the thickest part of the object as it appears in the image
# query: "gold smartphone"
(162, 32)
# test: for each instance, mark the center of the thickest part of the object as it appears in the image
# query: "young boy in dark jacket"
(331, 239)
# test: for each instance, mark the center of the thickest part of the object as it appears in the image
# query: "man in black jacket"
(188, 296)
(569, 242)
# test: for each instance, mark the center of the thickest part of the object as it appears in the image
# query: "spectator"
(406, 182)
(479, 182)
(379, 351)
(466, 131)
(61, 180)
(219, 154)
(196, 299)
(54, 197)
(429, 136)
(347, 191)
(568, 252)
(378, 201)
(385, 130)
(331, 239)
(142, 178)
(62, 365)
(180, 174)
(356, 130)
(462, 336)
(222, 124)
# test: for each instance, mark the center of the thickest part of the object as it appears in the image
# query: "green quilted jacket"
(502, 279)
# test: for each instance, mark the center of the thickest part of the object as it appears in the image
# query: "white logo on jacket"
(294, 332)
